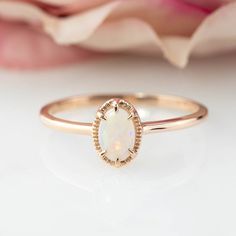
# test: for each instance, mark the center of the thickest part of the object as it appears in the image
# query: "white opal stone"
(117, 134)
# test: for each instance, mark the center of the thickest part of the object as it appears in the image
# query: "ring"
(117, 129)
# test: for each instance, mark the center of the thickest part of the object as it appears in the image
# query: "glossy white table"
(182, 183)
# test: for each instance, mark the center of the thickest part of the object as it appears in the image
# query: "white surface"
(181, 184)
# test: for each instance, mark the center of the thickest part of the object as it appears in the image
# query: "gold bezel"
(117, 103)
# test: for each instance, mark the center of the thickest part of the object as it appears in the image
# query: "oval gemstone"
(117, 134)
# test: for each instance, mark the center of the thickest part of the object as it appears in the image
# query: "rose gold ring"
(117, 129)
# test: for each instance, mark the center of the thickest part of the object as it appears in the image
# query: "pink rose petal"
(177, 28)
(24, 47)
(65, 7)
(169, 17)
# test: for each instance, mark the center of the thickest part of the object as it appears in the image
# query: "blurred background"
(182, 183)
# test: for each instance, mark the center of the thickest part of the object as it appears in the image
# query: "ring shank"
(196, 111)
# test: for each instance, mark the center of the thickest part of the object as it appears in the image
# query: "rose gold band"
(196, 111)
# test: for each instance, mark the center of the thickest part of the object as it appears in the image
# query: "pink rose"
(39, 33)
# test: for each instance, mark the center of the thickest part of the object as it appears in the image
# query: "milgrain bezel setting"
(116, 104)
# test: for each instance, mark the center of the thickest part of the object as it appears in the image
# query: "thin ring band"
(117, 129)
(197, 112)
